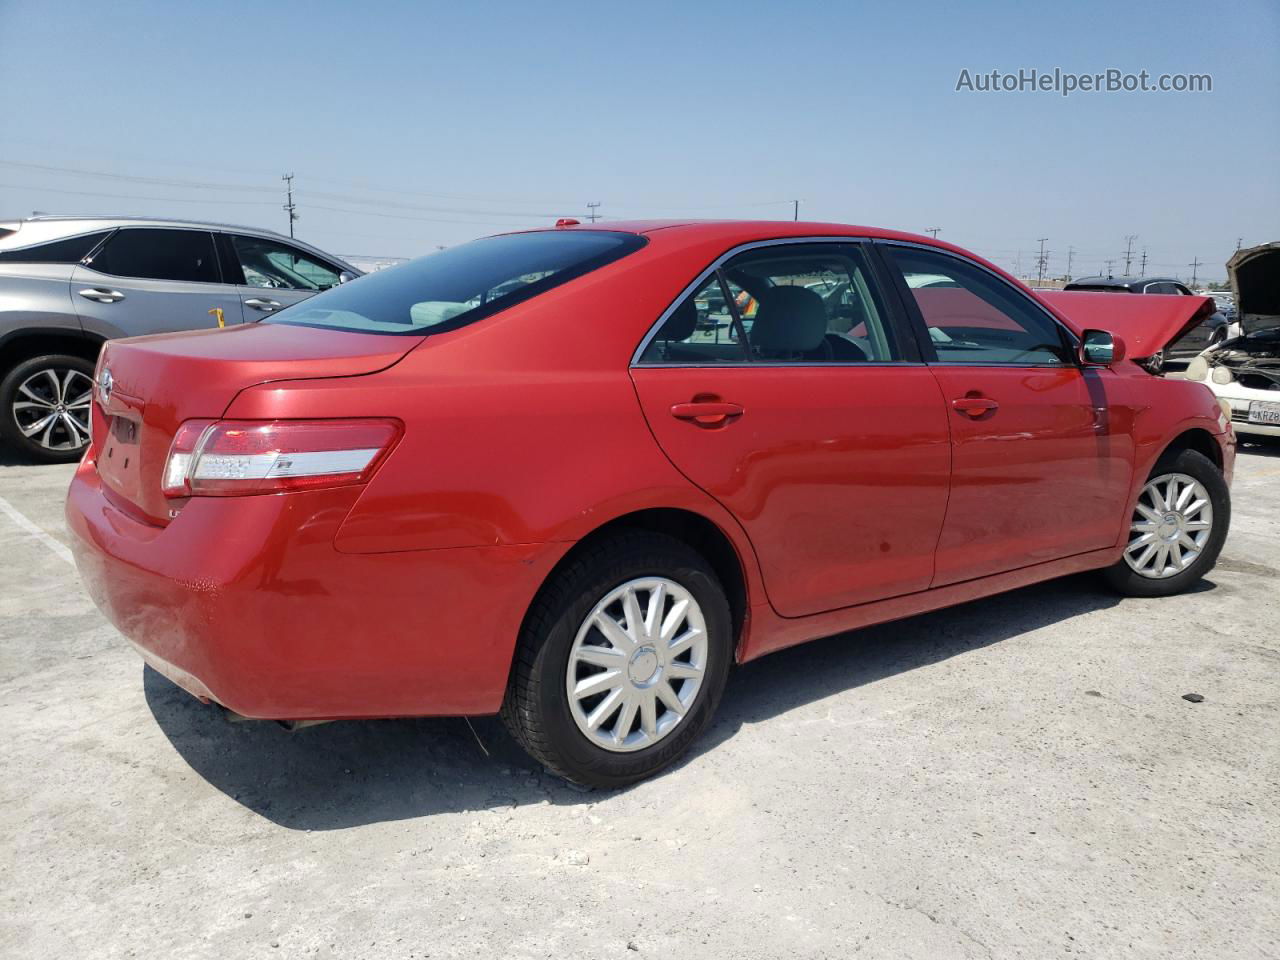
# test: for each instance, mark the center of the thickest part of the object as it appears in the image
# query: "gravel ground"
(1016, 777)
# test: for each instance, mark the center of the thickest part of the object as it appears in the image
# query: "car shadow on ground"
(1258, 446)
(350, 773)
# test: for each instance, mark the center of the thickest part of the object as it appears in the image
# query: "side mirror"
(346, 276)
(1100, 349)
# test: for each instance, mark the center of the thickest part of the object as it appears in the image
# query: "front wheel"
(44, 407)
(621, 661)
(1177, 528)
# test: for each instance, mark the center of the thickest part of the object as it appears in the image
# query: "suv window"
(976, 317)
(70, 250)
(152, 253)
(794, 303)
(274, 265)
(446, 290)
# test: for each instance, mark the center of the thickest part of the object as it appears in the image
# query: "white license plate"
(1264, 411)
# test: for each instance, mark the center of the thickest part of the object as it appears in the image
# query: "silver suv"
(69, 283)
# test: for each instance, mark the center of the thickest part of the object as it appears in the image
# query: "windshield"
(460, 285)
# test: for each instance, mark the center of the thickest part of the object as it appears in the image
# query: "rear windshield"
(460, 285)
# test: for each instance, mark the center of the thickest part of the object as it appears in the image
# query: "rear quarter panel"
(36, 295)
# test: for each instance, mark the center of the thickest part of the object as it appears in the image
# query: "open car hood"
(1147, 323)
(1254, 275)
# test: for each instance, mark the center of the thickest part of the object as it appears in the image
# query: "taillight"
(235, 458)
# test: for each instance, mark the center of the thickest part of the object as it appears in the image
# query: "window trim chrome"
(702, 278)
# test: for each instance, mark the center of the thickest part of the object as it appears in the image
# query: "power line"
(134, 196)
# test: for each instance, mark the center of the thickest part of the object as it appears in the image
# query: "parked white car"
(1245, 370)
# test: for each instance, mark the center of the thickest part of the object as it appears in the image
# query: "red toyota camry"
(565, 476)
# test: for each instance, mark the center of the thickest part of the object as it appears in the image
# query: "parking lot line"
(28, 527)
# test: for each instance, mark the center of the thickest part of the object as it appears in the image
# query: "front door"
(153, 280)
(783, 388)
(273, 274)
(1040, 460)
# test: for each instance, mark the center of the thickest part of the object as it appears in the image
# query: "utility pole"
(795, 210)
(289, 206)
(593, 207)
(1195, 265)
(1108, 263)
(1042, 261)
(1071, 255)
(934, 231)
(1239, 241)
(1017, 266)
(1142, 271)
(1128, 252)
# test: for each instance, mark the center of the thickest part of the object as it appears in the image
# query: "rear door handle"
(101, 295)
(266, 306)
(706, 412)
(975, 406)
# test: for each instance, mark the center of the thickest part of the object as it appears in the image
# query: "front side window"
(273, 265)
(974, 317)
(70, 250)
(159, 254)
(446, 290)
(793, 303)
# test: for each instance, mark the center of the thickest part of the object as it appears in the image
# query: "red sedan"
(520, 476)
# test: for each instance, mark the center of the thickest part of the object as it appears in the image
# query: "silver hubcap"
(52, 408)
(1171, 525)
(637, 664)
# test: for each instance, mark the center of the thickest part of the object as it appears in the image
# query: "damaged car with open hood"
(1245, 370)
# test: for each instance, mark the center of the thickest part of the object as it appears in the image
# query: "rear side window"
(70, 250)
(460, 285)
(160, 254)
(974, 317)
(787, 303)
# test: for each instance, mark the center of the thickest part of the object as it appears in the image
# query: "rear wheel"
(1177, 528)
(45, 407)
(621, 662)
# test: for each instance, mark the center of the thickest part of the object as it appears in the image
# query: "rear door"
(1041, 460)
(271, 274)
(809, 417)
(153, 280)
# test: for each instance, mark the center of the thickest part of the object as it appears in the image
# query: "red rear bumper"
(244, 601)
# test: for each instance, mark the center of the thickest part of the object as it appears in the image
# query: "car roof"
(1120, 281)
(26, 231)
(70, 224)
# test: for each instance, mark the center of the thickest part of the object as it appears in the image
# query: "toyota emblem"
(105, 382)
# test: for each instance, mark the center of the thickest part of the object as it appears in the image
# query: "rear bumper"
(245, 602)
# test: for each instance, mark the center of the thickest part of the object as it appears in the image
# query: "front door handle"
(266, 306)
(707, 412)
(975, 406)
(101, 295)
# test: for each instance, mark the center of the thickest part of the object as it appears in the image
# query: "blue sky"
(411, 125)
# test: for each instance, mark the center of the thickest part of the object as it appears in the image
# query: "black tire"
(536, 709)
(10, 430)
(1129, 582)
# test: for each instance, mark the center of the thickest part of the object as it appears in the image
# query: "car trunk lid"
(156, 383)
(1147, 324)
